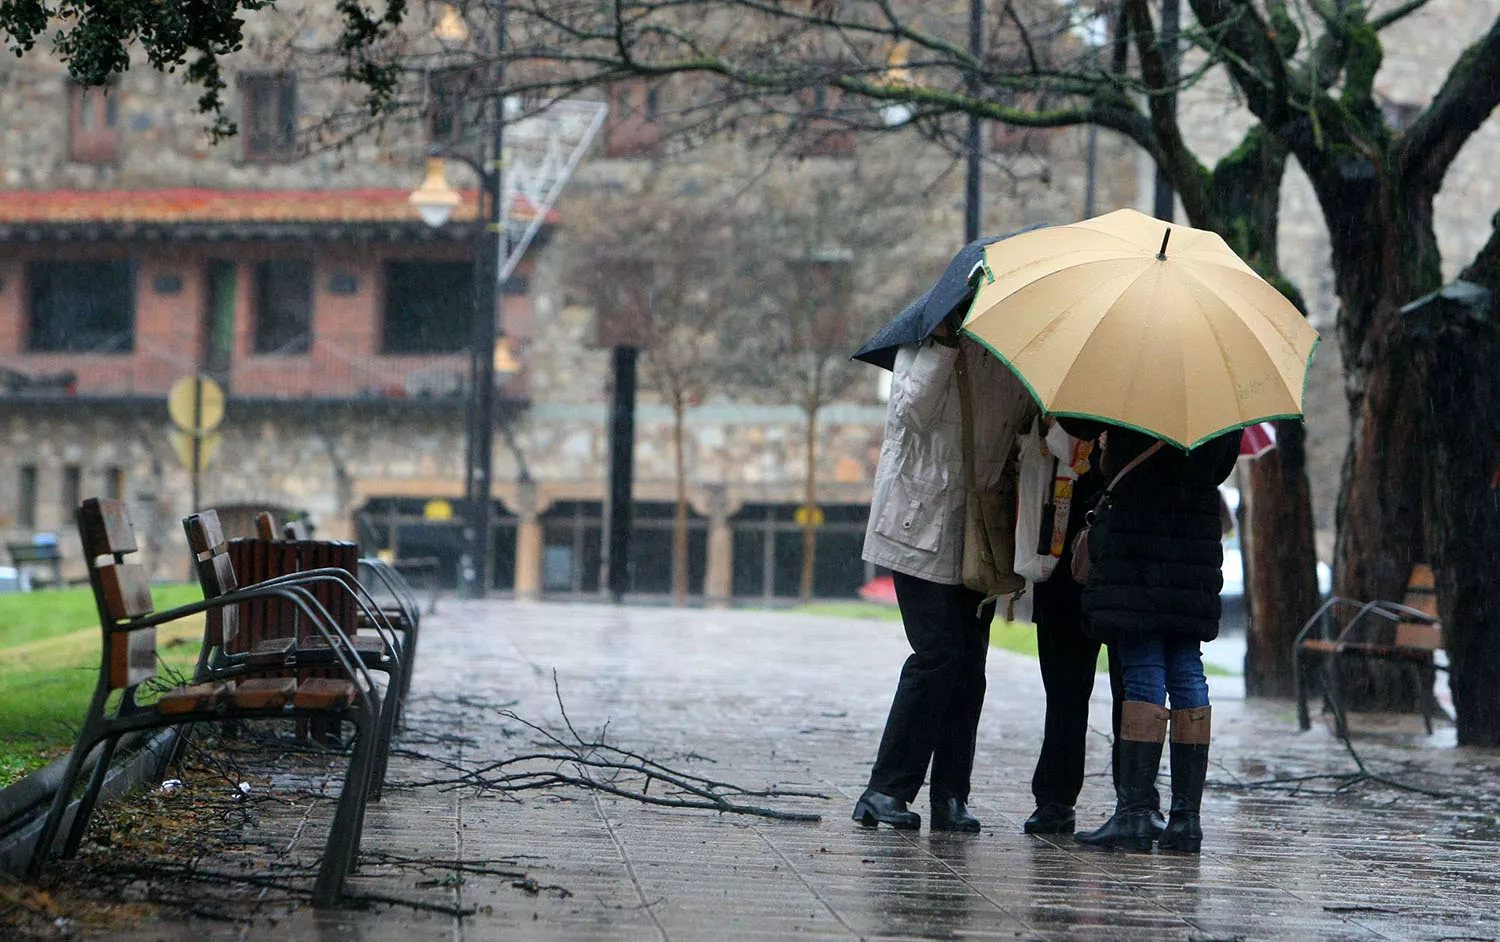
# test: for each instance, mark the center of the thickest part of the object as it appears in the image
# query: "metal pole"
(485, 334)
(197, 433)
(972, 206)
(1166, 197)
(1093, 172)
(621, 470)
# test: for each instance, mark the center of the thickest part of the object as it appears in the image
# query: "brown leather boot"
(1190, 729)
(1143, 728)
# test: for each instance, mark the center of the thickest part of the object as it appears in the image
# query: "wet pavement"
(797, 702)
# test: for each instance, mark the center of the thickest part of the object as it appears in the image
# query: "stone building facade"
(300, 278)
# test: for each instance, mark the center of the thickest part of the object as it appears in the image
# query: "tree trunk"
(1279, 597)
(1459, 345)
(680, 524)
(1382, 259)
(1281, 584)
(810, 524)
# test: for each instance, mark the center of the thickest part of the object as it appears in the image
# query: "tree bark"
(1457, 336)
(1384, 254)
(680, 523)
(1281, 553)
(1281, 589)
(810, 525)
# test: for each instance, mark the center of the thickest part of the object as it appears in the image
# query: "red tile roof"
(219, 206)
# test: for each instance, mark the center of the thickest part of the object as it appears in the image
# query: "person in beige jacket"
(916, 531)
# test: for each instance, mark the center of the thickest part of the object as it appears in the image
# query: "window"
(114, 481)
(93, 114)
(72, 489)
(428, 307)
(81, 307)
(820, 132)
(283, 306)
(633, 127)
(270, 117)
(26, 497)
(451, 109)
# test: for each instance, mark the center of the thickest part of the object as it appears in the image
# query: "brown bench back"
(215, 572)
(1421, 594)
(122, 592)
(255, 560)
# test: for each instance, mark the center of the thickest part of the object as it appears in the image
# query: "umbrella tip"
(1161, 253)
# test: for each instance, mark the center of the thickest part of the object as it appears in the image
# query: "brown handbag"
(1079, 565)
(989, 551)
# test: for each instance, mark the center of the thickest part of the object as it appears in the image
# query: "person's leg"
(953, 752)
(1068, 662)
(1143, 728)
(927, 680)
(1191, 721)
(1117, 695)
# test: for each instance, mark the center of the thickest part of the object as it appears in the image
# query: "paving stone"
(798, 702)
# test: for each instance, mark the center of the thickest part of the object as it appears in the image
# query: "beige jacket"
(917, 513)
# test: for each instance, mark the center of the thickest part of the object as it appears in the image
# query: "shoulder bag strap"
(1132, 466)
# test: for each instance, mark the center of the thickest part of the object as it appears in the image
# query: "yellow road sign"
(196, 402)
(803, 516)
(182, 443)
(437, 510)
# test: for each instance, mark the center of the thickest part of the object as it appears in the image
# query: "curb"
(23, 806)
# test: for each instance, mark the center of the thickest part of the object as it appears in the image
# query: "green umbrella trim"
(1144, 431)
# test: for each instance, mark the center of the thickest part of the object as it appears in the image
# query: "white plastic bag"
(1049, 467)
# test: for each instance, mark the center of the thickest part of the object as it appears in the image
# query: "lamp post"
(435, 201)
(972, 205)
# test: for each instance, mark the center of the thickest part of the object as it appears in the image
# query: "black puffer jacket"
(1155, 556)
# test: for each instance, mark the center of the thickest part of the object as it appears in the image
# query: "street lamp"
(434, 201)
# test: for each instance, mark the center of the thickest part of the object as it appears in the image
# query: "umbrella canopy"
(1136, 322)
(951, 292)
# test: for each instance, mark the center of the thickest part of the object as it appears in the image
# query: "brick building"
(135, 253)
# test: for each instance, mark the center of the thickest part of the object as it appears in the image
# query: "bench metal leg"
(90, 798)
(342, 849)
(1299, 679)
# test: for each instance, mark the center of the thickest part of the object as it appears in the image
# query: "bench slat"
(132, 657)
(265, 692)
(194, 697)
(325, 693)
(127, 590)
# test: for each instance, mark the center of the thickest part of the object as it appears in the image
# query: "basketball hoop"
(541, 153)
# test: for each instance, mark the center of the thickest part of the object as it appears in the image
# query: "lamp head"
(435, 199)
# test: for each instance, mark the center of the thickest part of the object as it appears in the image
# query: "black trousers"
(935, 714)
(1068, 662)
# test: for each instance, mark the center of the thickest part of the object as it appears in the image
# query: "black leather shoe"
(950, 814)
(874, 807)
(1050, 819)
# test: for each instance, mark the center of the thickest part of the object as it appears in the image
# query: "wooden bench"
(273, 639)
(28, 557)
(128, 621)
(403, 614)
(1408, 633)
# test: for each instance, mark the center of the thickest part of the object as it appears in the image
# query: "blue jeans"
(1155, 666)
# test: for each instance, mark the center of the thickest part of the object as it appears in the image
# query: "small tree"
(821, 293)
(656, 270)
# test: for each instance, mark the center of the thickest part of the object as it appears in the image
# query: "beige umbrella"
(1138, 322)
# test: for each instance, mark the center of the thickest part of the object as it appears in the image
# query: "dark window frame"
(26, 497)
(632, 128)
(93, 124)
(820, 132)
(86, 327)
(452, 116)
(270, 333)
(410, 309)
(269, 143)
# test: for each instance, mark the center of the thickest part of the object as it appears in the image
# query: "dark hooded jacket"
(1155, 551)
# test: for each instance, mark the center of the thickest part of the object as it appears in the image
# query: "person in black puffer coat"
(1155, 571)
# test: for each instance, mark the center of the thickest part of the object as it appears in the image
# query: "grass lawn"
(49, 663)
(1014, 636)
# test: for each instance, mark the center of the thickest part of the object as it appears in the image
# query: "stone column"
(528, 543)
(719, 579)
